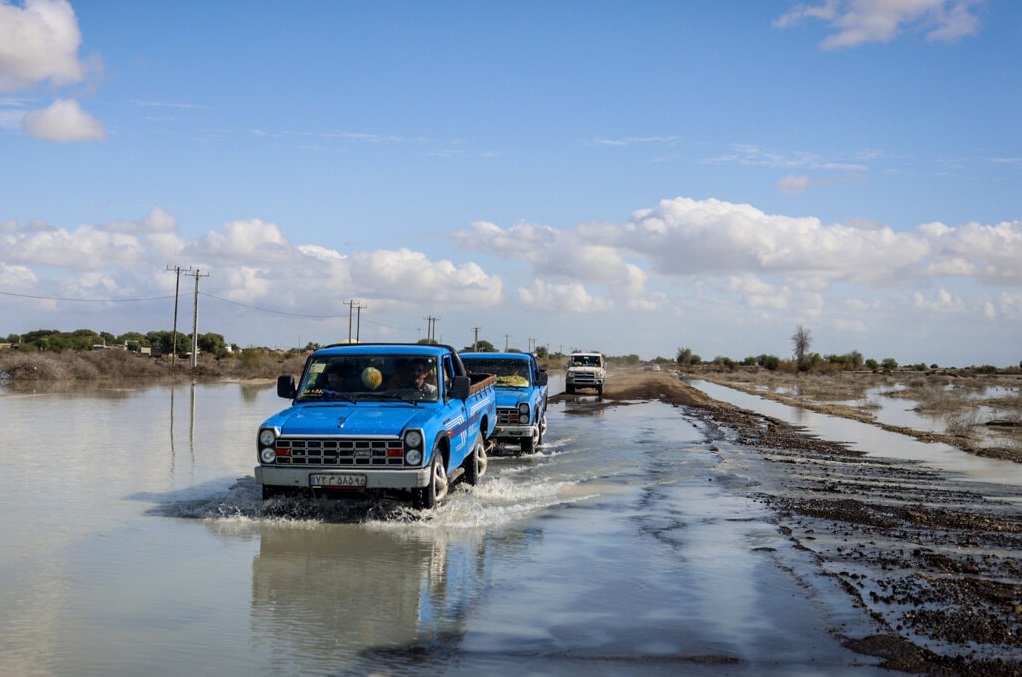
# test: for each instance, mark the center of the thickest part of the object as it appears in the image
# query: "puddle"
(874, 440)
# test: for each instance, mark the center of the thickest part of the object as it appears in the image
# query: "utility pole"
(431, 328)
(195, 319)
(358, 321)
(475, 339)
(177, 288)
(352, 303)
(506, 337)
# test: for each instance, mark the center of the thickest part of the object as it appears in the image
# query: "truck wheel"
(570, 389)
(599, 390)
(529, 444)
(476, 462)
(434, 492)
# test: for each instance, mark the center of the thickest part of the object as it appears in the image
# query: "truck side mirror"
(542, 378)
(460, 387)
(286, 386)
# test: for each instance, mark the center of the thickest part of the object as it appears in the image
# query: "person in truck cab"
(341, 377)
(417, 375)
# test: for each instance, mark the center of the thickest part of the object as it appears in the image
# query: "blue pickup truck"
(378, 418)
(521, 396)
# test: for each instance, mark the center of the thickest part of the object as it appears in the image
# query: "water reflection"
(322, 594)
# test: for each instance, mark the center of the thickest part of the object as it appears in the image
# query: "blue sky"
(627, 177)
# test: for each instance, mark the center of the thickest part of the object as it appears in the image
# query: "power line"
(61, 298)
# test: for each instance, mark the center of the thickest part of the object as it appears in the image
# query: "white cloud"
(84, 249)
(64, 120)
(244, 240)
(38, 43)
(158, 221)
(412, 277)
(993, 251)
(859, 22)
(736, 271)
(794, 184)
(942, 302)
(685, 237)
(556, 298)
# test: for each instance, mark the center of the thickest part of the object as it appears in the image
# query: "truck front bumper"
(514, 432)
(298, 477)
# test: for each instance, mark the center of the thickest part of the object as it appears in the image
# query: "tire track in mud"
(938, 565)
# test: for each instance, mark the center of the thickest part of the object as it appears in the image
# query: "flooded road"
(135, 542)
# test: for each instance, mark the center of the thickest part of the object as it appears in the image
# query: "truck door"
(458, 417)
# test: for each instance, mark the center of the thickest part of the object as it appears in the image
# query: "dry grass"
(17, 368)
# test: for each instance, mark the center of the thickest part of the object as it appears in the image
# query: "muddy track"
(937, 566)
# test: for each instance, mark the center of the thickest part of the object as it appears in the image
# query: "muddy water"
(134, 542)
(882, 443)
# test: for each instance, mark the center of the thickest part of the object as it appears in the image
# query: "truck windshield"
(370, 377)
(585, 361)
(515, 373)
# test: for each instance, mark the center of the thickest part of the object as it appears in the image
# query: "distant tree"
(769, 362)
(212, 344)
(872, 364)
(800, 341)
(686, 358)
(482, 346)
(542, 352)
(888, 364)
(309, 347)
(724, 363)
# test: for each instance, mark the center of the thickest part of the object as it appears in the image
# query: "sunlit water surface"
(135, 542)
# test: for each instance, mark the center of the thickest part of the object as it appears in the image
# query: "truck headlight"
(413, 438)
(413, 457)
(267, 437)
(523, 412)
(268, 454)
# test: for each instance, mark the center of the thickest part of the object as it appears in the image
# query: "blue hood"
(345, 419)
(511, 397)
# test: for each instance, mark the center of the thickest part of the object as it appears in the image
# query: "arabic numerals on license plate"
(337, 480)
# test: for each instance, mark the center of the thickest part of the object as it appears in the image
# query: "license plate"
(326, 481)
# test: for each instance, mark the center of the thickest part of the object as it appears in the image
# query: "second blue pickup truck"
(378, 418)
(521, 396)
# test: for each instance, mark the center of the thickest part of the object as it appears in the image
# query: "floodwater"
(876, 441)
(134, 542)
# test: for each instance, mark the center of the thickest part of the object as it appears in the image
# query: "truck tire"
(570, 389)
(599, 391)
(427, 497)
(476, 462)
(529, 444)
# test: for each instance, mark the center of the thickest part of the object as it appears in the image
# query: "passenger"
(341, 378)
(417, 376)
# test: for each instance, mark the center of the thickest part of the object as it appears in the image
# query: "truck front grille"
(340, 452)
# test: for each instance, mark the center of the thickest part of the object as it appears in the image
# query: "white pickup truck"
(585, 370)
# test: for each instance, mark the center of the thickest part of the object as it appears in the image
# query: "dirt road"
(938, 564)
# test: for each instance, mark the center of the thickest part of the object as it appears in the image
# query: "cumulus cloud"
(859, 22)
(706, 258)
(411, 276)
(64, 120)
(251, 261)
(38, 43)
(571, 298)
(243, 240)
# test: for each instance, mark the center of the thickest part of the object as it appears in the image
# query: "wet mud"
(937, 564)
